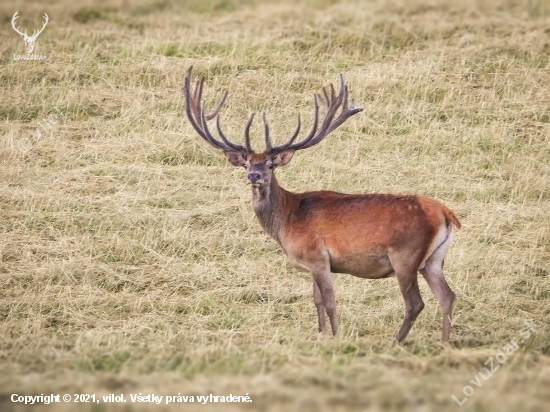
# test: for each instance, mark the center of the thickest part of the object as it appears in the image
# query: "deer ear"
(235, 158)
(283, 158)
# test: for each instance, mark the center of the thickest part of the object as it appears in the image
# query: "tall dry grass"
(131, 260)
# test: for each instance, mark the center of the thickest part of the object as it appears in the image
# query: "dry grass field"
(130, 257)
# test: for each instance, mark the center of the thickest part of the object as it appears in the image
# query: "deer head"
(260, 166)
(29, 41)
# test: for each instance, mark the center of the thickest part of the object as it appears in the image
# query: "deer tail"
(451, 217)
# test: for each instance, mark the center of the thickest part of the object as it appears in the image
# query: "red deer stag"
(370, 236)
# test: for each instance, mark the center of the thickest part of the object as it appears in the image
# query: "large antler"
(332, 102)
(194, 109)
(199, 119)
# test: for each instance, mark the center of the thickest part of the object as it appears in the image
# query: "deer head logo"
(29, 41)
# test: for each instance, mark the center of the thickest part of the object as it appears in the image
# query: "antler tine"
(197, 94)
(292, 138)
(247, 133)
(347, 111)
(199, 119)
(329, 99)
(232, 145)
(346, 95)
(268, 144)
(197, 98)
(268, 141)
(324, 98)
(296, 131)
(215, 112)
(288, 145)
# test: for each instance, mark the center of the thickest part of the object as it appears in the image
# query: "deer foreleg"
(318, 299)
(323, 280)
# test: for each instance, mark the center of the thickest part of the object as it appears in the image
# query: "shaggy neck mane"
(269, 205)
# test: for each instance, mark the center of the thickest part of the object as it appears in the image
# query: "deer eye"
(270, 166)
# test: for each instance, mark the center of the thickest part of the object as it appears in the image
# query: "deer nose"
(254, 177)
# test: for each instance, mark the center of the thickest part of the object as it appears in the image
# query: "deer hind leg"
(406, 271)
(433, 273)
(318, 299)
(408, 284)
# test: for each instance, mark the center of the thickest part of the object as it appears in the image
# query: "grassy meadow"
(130, 257)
